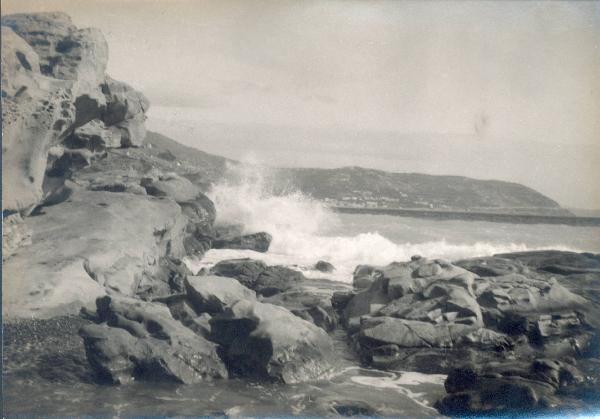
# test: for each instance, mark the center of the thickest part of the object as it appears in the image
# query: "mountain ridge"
(367, 187)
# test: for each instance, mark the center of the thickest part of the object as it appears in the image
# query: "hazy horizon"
(504, 90)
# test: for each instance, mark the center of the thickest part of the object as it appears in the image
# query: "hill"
(356, 186)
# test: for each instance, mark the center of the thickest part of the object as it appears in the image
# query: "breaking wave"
(305, 231)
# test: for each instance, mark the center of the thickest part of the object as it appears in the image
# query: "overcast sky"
(507, 90)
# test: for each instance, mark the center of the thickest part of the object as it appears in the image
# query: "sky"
(498, 89)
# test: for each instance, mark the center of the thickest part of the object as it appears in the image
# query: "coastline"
(474, 216)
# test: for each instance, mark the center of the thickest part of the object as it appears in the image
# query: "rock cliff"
(58, 105)
(87, 211)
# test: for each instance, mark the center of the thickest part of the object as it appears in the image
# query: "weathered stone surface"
(54, 84)
(142, 341)
(35, 112)
(15, 234)
(264, 340)
(95, 242)
(212, 294)
(94, 136)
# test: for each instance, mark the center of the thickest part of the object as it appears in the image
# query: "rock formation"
(56, 95)
(87, 210)
(434, 316)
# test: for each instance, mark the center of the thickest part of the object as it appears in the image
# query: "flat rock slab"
(90, 244)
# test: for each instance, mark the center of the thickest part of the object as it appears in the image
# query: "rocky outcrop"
(87, 210)
(55, 93)
(177, 337)
(437, 317)
(142, 341)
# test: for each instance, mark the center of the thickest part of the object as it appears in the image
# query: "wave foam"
(301, 228)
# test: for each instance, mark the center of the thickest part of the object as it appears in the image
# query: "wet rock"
(324, 266)
(259, 242)
(212, 294)
(516, 387)
(256, 275)
(277, 279)
(364, 276)
(267, 341)
(142, 341)
(244, 270)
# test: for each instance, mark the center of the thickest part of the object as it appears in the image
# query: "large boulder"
(142, 341)
(267, 341)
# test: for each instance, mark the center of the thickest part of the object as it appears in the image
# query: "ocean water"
(305, 231)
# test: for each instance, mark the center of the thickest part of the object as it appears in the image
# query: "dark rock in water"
(364, 276)
(276, 279)
(244, 270)
(142, 341)
(516, 387)
(212, 294)
(256, 275)
(267, 341)
(258, 242)
(324, 266)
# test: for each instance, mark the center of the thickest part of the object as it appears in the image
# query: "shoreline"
(474, 216)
